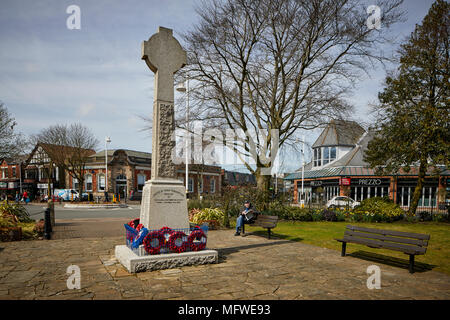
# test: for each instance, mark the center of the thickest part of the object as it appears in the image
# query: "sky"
(50, 74)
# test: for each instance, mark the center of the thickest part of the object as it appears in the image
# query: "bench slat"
(387, 245)
(272, 218)
(265, 225)
(391, 232)
(421, 243)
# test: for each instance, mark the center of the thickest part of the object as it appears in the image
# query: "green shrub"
(6, 222)
(317, 215)
(377, 210)
(17, 210)
(329, 215)
(209, 214)
(200, 204)
(424, 216)
(441, 217)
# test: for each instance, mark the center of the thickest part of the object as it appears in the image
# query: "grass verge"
(323, 233)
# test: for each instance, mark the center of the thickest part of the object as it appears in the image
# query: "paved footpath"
(250, 267)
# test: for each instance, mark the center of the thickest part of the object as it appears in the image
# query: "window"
(101, 182)
(326, 155)
(190, 185)
(31, 174)
(4, 173)
(88, 183)
(200, 186)
(212, 185)
(332, 153)
(317, 157)
(14, 172)
(141, 181)
(329, 154)
(75, 184)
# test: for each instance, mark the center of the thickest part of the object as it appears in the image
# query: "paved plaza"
(251, 267)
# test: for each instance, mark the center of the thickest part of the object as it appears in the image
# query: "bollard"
(47, 224)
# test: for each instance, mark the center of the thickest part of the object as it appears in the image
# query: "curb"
(93, 206)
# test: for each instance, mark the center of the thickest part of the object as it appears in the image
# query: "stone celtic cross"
(164, 56)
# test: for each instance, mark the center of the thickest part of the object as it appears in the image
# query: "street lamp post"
(182, 88)
(107, 140)
(302, 198)
(302, 202)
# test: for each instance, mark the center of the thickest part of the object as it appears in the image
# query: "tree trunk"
(418, 190)
(263, 186)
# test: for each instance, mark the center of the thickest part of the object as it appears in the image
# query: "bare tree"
(12, 143)
(69, 147)
(286, 65)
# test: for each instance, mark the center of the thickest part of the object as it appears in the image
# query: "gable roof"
(50, 148)
(340, 133)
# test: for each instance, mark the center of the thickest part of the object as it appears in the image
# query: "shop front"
(318, 192)
(364, 188)
(405, 191)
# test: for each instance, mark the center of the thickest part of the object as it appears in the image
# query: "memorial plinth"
(164, 202)
(135, 263)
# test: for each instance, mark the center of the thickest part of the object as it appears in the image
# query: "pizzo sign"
(369, 182)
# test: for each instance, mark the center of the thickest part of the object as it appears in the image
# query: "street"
(37, 212)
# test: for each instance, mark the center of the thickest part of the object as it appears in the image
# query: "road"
(86, 223)
(37, 212)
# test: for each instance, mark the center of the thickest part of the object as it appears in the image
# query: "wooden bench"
(406, 242)
(268, 222)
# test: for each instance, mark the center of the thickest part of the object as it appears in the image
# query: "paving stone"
(249, 268)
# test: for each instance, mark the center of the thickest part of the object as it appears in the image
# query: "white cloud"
(86, 108)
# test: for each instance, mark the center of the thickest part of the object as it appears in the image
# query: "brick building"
(11, 176)
(128, 170)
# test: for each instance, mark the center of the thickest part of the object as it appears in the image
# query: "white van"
(66, 194)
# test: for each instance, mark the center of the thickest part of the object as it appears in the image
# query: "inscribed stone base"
(164, 204)
(134, 263)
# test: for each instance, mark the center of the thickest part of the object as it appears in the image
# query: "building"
(128, 170)
(234, 178)
(11, 175)
(338, 168)
(36, 168)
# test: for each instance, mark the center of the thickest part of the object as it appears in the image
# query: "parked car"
(342, 201)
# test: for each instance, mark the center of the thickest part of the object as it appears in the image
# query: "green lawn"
(323, 233)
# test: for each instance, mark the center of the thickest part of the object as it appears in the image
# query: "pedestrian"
(25, 197)
(17, 197)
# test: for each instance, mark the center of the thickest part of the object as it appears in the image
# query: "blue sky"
(50, 74)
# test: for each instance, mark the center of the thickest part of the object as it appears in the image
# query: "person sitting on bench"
(247, 215)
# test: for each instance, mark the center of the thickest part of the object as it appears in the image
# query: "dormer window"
(329, 154)
(324, 155)
(317, 157)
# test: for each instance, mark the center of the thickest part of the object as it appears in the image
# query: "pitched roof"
(340, 133)
(355, 157)
(129, 153)
(50, 148)
(135, 157)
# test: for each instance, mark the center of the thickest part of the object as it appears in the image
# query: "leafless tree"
(286, 65)
(12, 143)
(69, 147)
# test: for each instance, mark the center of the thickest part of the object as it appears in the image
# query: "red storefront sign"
(345, 181)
